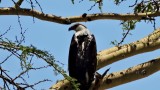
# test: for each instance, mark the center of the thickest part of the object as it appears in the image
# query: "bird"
(82, 60)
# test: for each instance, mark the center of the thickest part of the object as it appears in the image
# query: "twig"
(41, 67)
(17, 12)
(32, 6)
(45, 80)
(39, 5)
(6, 59)
(124, 37)
(21, 74)
(5, 32)
(92, 6)
(18, 4)
(134, 4)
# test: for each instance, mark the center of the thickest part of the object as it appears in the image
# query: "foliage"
(129, 25)
(147, 6)
(27, 51)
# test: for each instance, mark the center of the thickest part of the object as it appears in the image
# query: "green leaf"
(129, 25)
(114, 42)
(138, 9)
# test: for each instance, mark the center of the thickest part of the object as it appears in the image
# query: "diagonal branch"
(131, 74)
(147, 44)
(73, 19)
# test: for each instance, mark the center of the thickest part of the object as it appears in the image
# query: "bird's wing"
(92, 56)
(72, 57)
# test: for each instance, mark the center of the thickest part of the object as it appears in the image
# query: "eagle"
(82, 60)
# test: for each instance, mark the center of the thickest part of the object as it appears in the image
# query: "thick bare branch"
(73, 19)
(147, 44)
(131, 74)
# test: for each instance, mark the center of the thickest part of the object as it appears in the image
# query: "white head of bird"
(80, 29)
(77, 27)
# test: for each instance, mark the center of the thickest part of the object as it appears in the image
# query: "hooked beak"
(71, 28)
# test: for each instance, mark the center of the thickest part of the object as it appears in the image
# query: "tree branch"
(147, 44)
(131, 74)
(73, 19)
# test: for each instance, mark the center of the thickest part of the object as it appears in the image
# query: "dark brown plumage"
(82, 56)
